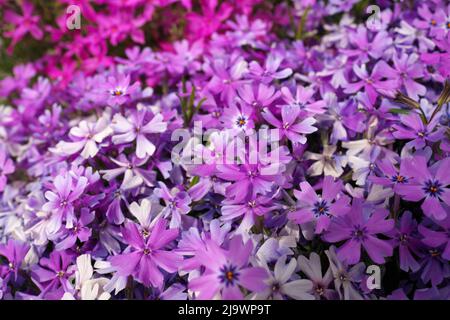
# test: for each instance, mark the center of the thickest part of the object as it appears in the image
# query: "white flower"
(278, 284)
(88, 136)
(89, 288)
(327, 162)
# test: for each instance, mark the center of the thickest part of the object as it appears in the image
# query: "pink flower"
(27, 23)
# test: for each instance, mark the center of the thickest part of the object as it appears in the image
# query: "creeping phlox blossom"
(219, 150)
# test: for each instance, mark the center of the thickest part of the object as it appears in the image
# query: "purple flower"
(249, 211)
(136, 128)
(227, 78)
(412, 128)
(406, 69)
(177, 203)
(60, 203)
(269, 72)
(373, 85)
(6, 167)
(79, 231)
(361, 228)
(53, 273)
(145, 255)
(258, 97)
(320, 209)
(438, 237)
(238, 118)
(391, 175)
(14, 251)
(227, 270)
(248, 179)
(303, 100)
(429, 183)
(405, 236)
(291, 126)
(118, 89)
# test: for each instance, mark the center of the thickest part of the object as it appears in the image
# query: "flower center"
(399, 179)
(403, 238)
(433, 188)
(228, 275)
(434, 253)
(117, 92)
(147, 251)
(252, 204)
(321, 208)
(421, 134)
(359, 233)
(241, 121)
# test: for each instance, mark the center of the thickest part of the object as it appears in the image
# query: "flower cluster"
(182, 149)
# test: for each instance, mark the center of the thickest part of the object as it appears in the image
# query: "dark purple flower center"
(147, 251)
(403, 238)
(399, 179)
(321, 208)
(433, 188)
(359, 233)
(241, 121)
(228, 275)
(117, 92)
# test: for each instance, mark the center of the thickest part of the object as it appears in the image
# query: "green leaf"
(398, 111)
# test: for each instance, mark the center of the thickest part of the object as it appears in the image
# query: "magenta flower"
(320, 209)
(27, 23)
(228, 78)
(227, 270)
(146, 255)
(361, 229)
(430, 184)
(118, 89)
